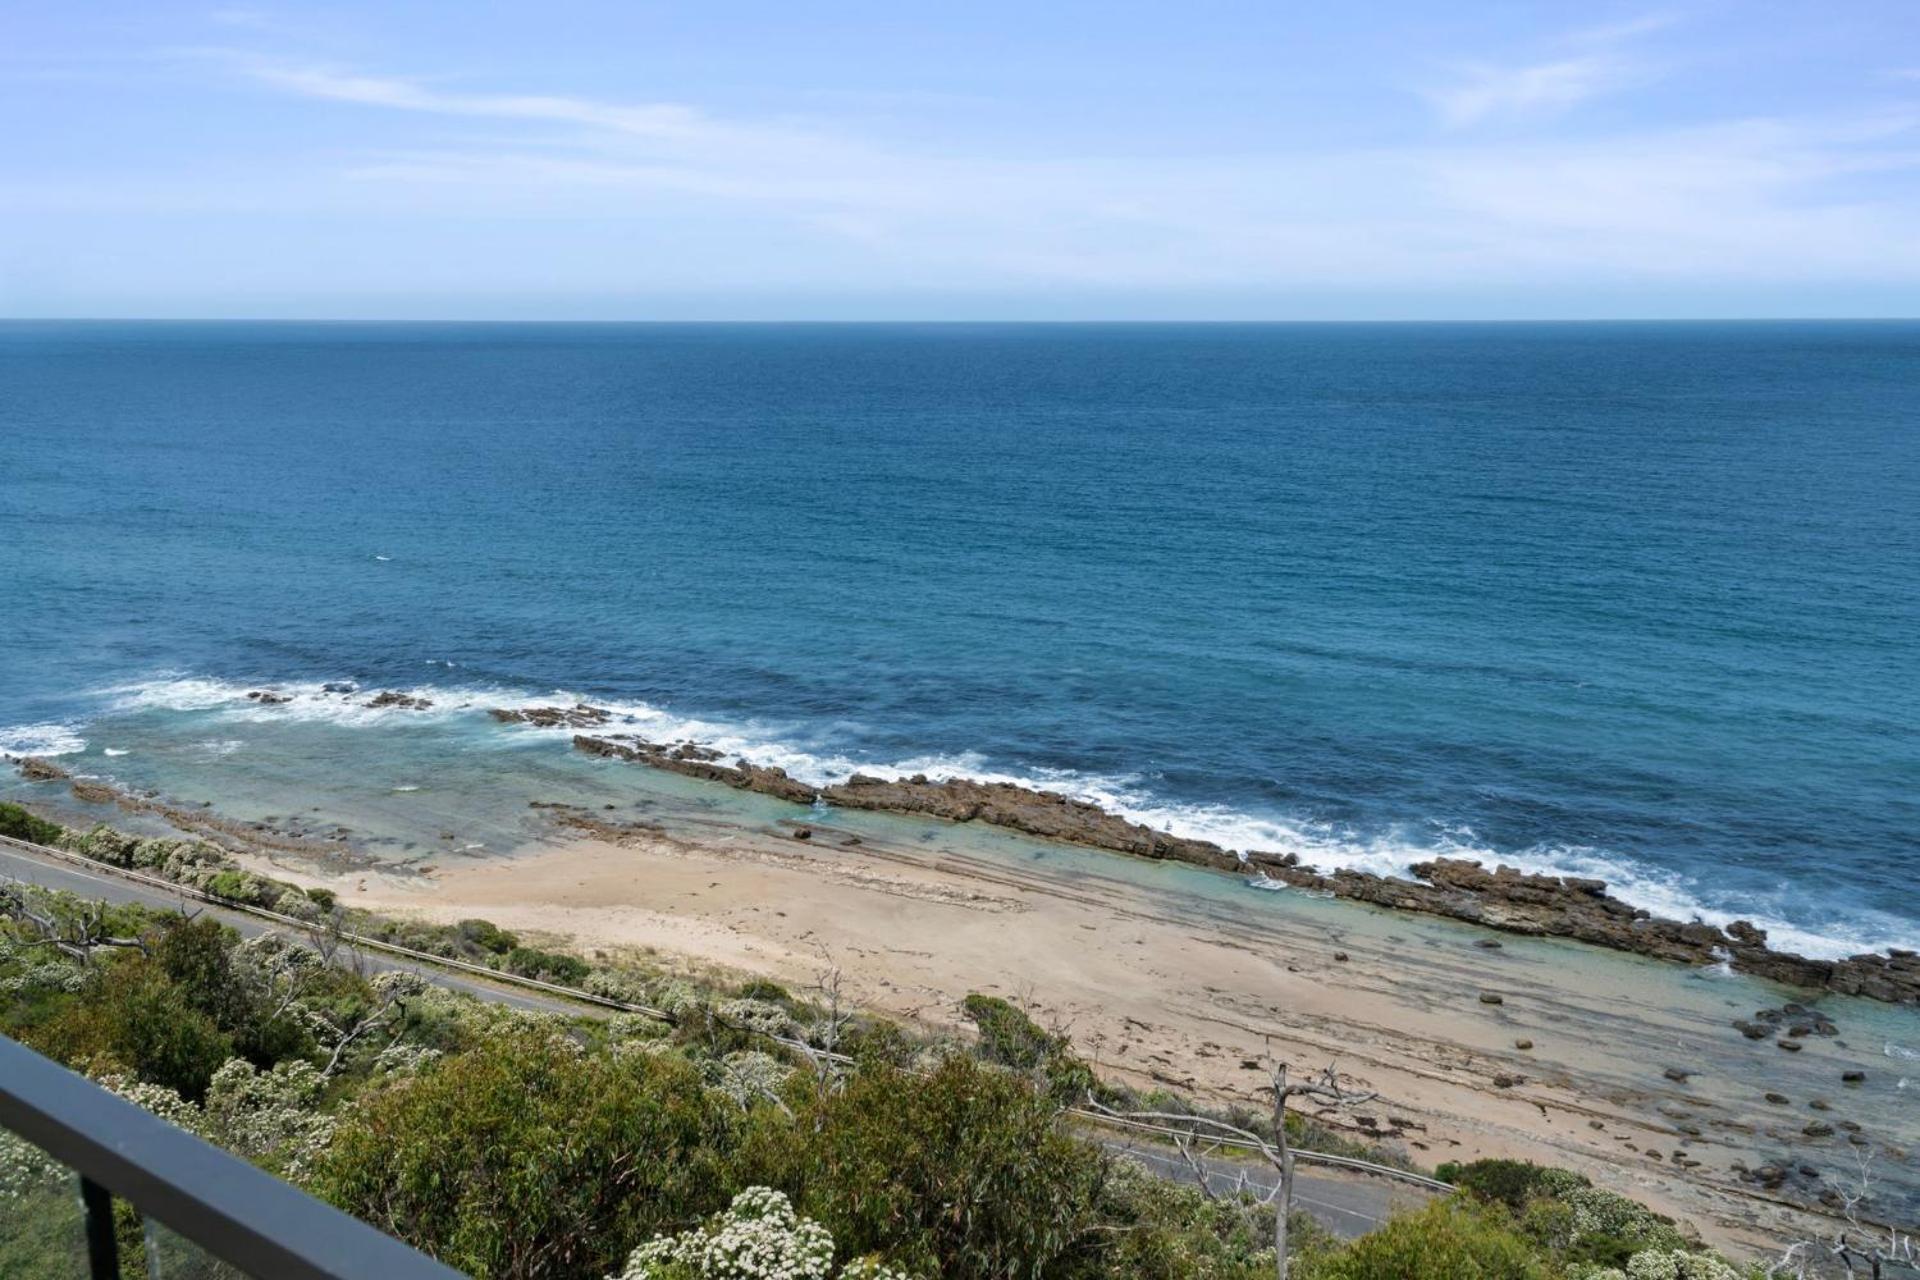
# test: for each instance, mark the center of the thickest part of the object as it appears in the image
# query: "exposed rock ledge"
(1505, 898)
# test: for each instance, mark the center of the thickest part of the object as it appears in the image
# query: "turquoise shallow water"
(1640, 601)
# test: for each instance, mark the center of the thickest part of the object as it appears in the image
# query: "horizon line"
(960, 321)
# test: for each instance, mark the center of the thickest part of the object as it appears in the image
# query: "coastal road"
(1347, 1206)
(103, 885)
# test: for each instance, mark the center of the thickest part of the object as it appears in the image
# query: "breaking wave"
(41, 740)
(814, 758)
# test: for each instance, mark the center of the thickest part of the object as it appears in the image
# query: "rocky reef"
(35, 769)
(579, 716)
(700, 762)
(1571, 907)
(402, 701)
(1037, 813)
(1504, 898)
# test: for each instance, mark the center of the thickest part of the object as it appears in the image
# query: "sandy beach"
(1479, 1045)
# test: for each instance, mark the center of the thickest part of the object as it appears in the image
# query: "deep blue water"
(1639, 600)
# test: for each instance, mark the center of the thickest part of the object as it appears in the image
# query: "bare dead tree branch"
(1323, 1088)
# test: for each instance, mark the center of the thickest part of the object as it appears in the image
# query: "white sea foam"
(227, 701)
(41, 740)
(813, 758)
(116, 751)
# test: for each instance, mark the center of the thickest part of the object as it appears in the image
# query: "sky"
(841, 159)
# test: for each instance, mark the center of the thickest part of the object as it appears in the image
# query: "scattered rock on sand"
(1491, 997)
(1852, 1077)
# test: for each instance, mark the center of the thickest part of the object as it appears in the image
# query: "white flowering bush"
(278, 953)
(609, 985)
(403, 1059)
(25, 1168)
(636, 1026)
(748, 1077)
(872, 1269)
(760, 1016)
(271, 1117)
(44, 978)
(677, 998)
(1666, 1264)
(759, 1237)
(399, 984)
(157, 1098)
(1597, 1212)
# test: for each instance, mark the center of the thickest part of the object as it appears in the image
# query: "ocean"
(1635, 601)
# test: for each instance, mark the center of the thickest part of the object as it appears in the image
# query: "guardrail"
(229, 1209)
(586, 997)
(1311, 1157)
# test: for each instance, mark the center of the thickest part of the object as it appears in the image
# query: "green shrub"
(1154, 1229)
(549, 966)
(877, 1042)
(526, 1157)
(234, 886)
(1007, 1035)
(198, 957)
(133, 1017)
(325, 899)
(1451, 1239)
(21, 825)
(963, 1174)
(1010, 1038)
(487, 936)
(1509, 1182)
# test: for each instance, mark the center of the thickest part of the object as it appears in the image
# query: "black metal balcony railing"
(247, 1219)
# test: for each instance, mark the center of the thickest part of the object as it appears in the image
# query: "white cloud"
(661, 195)
(657, 122)
(1593, 64)
(1490, 91)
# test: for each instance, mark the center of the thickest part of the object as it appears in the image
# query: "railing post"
(103, 1249)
